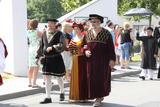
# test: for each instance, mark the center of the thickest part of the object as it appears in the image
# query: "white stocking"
(143, 72)
(61, 84)
(48, 86)
(150, 73)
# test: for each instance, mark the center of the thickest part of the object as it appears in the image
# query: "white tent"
(105, 8)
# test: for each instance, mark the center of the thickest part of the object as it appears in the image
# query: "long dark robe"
(1, 80)
(149, 48)
(53, 62)
(156, 33)
(98, 69)
(158, 75)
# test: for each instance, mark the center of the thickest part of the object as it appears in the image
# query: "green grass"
(136, 58)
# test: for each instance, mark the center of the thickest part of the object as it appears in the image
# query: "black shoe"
(62, 97)
(128, 67)
(46, 100)
(142, 77)
(114, 69)
(151, 78)
(122, 67)
(44, 83)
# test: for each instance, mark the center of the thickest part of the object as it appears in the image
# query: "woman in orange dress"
(78, 90)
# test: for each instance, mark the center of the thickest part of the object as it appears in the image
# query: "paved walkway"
(18, 86)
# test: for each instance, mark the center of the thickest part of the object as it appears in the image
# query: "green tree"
(43, 9)
(125, 5)
(70, 5)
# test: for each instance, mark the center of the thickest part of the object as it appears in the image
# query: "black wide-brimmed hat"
(52, 20)
(96, 16)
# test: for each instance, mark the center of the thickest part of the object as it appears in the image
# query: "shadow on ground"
(131, 78)
(114, 105)
(90, 103)
(13, 105)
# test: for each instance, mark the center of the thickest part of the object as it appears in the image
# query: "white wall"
(13, 23)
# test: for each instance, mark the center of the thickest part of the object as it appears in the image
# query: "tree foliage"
(70, 5)
(43, 9)
(125, 5)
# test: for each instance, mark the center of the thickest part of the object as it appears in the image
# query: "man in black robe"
(149, 47)
(51, 46)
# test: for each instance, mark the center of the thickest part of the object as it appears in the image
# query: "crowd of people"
(84, 54)
(70, 51)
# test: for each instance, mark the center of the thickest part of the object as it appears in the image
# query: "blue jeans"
(125, 51)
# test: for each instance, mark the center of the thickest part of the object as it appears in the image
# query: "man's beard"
(51, 28)
(95, 27)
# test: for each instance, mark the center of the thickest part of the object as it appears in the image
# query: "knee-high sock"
(48, 86)
(150, 73)
(61, 84)
(143, 72)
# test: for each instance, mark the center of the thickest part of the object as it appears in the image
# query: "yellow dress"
(75, 49)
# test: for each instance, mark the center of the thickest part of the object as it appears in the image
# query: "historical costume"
(149, 47)
(50, 49)
(156, 34)
(99, 51)
(158, 75)
(3, 55)
(78, 87)
(53, 57)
